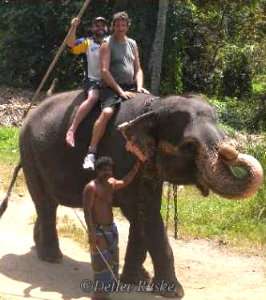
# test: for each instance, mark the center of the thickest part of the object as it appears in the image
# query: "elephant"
(177, 139)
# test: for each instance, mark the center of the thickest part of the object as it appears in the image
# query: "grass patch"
(68, 228)
(217, 218)
(72, 228)
(9, 152)
(235, 222)
(259, 84)
(9, 144)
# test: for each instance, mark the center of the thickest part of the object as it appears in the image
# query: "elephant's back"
(133, 108)
(58, 111)
(44, 152)
(52, 110)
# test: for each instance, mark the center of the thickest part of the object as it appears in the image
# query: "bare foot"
(70, 138)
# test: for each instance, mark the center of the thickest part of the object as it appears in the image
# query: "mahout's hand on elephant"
(127, 95)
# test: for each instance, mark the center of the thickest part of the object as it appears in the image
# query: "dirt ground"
(206, 271)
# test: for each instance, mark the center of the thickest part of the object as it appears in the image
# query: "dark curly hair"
(102, 162)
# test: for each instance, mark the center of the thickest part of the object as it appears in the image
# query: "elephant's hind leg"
(45, 233)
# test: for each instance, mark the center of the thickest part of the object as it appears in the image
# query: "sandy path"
(206, 272)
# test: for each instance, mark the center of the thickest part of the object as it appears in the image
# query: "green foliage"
(9, 151)
(259, 85)
(236, 77)
(244, 113)
(172, 77)
(33, 32)
(259, 205)
(235, 113)
(216, 43)
(212, 47)
(9, 158)
(9, 139)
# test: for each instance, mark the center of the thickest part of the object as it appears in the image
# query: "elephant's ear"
(138, 135)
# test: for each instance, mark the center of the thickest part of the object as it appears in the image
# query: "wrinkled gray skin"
(54, 173)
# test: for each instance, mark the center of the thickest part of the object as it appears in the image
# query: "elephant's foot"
(134, 277)
(144, 275)
(52, 259)
(47, 249)
(49, 255)
(168, 289)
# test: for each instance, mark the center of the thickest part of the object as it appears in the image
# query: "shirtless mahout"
(103, 235)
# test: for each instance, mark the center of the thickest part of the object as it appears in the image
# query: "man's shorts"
(109, 97)
(107, 243)
(89, 84)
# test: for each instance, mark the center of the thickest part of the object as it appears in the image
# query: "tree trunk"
(157, 49)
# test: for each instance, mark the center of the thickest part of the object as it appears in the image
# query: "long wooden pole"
(58, 54)
(3, 205)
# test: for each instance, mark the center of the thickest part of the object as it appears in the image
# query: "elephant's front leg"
(133, 270)
(158, 245)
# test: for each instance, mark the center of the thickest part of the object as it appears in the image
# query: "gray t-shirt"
(122, 59)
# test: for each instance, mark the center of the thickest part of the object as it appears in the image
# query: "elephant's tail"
(3, 205)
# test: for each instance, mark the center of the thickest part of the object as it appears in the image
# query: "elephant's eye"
(188, 147)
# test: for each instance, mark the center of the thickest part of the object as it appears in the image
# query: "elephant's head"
(180, 135)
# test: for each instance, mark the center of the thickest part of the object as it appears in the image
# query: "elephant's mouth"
(228, 173)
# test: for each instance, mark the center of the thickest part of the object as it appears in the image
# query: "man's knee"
(92, 98)
(107, 113)
(93, 95)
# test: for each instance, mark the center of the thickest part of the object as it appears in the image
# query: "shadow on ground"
(61, 278)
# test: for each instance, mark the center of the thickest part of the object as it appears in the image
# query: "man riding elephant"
(122, 74)
(90, 48)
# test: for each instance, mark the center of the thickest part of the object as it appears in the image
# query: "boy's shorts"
(89, 84)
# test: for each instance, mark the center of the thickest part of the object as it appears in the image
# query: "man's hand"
(127, 95)
(142, 90)
(119, 184)
(75, 22)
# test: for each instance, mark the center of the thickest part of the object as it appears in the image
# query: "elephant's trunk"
(218, 171)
